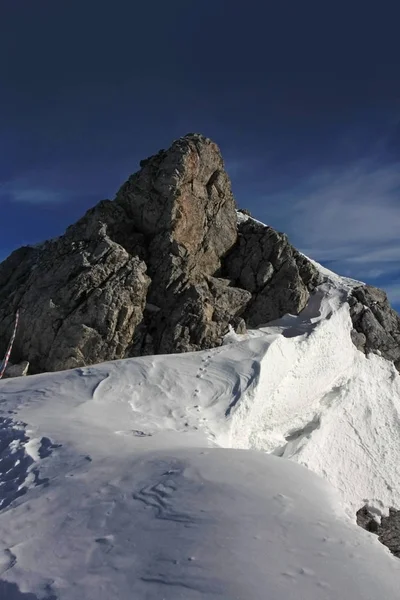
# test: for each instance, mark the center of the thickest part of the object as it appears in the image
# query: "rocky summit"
(168, 266)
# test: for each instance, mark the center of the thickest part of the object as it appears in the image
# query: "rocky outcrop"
(376, 324)
(80, 301)
(134, 275)
(164, 267)
(20, 370)
(197, 318)
(388, 530)
(182, 202)
(265, 263)
(366, 520)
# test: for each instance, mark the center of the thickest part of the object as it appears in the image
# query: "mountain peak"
(167, 266)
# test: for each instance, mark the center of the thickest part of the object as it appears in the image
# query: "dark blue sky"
(302, 97)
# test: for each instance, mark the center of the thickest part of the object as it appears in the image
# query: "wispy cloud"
(59, 183)
(32, 195)
(349, 217)
(44, 186)
(393, 292)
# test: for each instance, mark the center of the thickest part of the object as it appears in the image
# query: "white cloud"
(389, 254)
(34, 195)
(393, 292)
(349, 216)
(62, 182)
(358, 206)
(36, 187)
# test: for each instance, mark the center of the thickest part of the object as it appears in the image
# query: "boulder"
(376, 324)
(366, 520)
(19, 370)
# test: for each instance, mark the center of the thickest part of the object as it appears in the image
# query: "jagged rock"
(200, 316)
(182, 198)
(182, 202)
(278, 276)
(165, 267)
(376, 324)
(19, 370)
(366, 520)
(79, 299)
(388, 530)
(83, 297)
(245, 211)
(110, 218)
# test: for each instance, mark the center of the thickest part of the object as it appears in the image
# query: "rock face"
(182, 202)
(376, 324)
(388, 530)
(135, 275)
(366, 520)
(20, 370)
(182, 199)
(279, 278)
(167, 266)
(80, 301)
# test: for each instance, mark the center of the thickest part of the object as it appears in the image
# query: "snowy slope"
(114, 482)
(187, 524)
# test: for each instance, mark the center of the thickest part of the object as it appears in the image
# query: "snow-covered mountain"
(252, 420)
(154, 477)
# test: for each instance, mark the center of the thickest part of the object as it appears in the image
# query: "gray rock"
(376, 324)
(278, 276)
(79, 299)
(199, 317)
(167, 266)
(244, 211)
(183, 199)
(90, 295)
(366, 520)
(20, 370)
(182, 202)
(388, 530)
